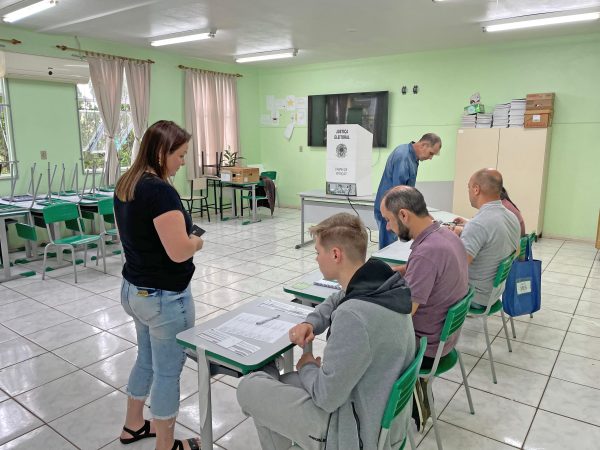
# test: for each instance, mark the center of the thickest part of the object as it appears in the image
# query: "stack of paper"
(500, 116)
(516, 117)
(468, 121)
(484, 121)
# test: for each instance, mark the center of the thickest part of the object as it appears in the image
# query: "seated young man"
(436, 272)
(338, 402)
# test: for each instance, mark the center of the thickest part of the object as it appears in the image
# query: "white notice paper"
(232, 343)
(244, 324)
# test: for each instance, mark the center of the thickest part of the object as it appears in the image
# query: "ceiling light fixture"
(531, 23)
(29, 10)
(183, 38)
(266, 56)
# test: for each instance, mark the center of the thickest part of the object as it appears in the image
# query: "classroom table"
(8, 212)
(213, 359)
(241, 185)
(316, 206)
(307, 292)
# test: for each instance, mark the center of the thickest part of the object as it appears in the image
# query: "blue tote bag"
(523, 291)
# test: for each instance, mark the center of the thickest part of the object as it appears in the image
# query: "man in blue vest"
(401, 169)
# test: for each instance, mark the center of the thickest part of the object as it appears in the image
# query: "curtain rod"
(11, 41)
(237, 75)
(90, 53)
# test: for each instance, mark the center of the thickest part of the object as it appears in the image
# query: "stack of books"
(484, 121)
(516, 117)
(500, 116)
(468, 121)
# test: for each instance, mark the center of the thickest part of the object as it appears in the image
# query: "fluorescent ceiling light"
(278, 54)
(29, 10)
(542, 22)
(185, 38)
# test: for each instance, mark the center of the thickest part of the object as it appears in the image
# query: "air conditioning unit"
(32, 67)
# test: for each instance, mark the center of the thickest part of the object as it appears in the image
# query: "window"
(7, 151)
(91, 128)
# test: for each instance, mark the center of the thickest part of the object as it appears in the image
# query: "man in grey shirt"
(490, 236)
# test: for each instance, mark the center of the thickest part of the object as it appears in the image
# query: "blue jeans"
(158, 315)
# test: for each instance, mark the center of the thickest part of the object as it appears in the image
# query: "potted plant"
(230, 159)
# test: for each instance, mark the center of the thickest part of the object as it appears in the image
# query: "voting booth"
(349, 149)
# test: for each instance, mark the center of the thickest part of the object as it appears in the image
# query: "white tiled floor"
(66, 351)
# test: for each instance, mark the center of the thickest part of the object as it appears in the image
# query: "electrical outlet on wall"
(43, 154)
(300, 148)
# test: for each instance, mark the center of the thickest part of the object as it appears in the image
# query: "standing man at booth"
(401, 169)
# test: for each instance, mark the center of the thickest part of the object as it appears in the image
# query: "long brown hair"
(160, 139)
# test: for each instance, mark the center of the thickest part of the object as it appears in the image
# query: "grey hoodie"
(371, 341)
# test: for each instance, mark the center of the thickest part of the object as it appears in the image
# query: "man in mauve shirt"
(437, 272)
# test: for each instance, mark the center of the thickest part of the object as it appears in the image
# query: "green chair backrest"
(523, 245)
(60, 212)
(503, 270)
(456, 316)
(272, 174)
(403, 388)
(106, 206)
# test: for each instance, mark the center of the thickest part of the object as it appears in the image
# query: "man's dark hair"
(405, 197)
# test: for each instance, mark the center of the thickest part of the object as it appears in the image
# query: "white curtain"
(211, 114)
(107, 80)
(137, 74)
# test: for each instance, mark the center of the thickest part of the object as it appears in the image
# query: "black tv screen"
(368, 109)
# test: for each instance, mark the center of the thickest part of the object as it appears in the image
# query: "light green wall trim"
(567, 66)
(44, 113)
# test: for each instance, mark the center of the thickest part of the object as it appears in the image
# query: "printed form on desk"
(244, 324)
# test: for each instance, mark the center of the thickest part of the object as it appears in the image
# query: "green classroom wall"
(45, 118)
(446, 79)
(44, 114)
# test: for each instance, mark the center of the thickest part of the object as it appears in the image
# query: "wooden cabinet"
(520, 154)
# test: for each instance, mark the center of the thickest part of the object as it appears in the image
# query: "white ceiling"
(322, 30)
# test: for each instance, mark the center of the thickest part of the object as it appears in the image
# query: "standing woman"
(155, 232)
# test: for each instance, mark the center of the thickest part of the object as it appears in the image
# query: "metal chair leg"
(74, 262)
(44, 264)
(73, 255)
(505, 330)
(103, 244)
(411, 438)
(465, 382)
(438, 438)
(489, 350)
(512, 326)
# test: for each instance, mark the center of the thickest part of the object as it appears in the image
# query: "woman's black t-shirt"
(147, 263)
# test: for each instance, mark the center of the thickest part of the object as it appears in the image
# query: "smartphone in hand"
(197, 231)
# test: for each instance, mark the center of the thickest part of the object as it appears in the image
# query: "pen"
(262, 322)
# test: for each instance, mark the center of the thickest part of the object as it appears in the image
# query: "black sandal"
(193, 442)
(142, 433)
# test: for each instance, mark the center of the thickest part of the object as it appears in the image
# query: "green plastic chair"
(63, 212)
(106, 211)
(495, 305)
(272, 174)
(441, 364)
(401, 397)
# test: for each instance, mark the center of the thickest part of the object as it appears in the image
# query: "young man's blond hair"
(345, 231)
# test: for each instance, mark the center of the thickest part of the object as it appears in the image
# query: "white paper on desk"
(232, 343)
(244, 324)
(288, 308)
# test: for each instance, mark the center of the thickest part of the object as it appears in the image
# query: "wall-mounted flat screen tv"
(368, 109)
